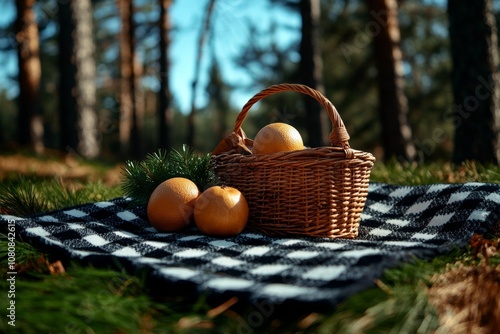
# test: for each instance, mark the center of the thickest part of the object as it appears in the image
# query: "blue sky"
(7, 64)
(231, 31)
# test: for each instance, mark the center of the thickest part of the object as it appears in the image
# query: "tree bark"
(476, 82)
(87, 124)
(393, 104)
(165, 112)
(129, 128)
(67, 79)
(311, 72)
(30, 121)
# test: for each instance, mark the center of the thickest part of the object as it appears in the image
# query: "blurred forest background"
(412, 80)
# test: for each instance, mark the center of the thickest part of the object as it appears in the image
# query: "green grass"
(85, 299)
(414, 174)
(24, 196)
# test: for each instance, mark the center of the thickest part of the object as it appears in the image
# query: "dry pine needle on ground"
(467, 296)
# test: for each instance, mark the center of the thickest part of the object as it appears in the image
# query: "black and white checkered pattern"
(398, 223)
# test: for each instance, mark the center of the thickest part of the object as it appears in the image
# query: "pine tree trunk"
(87, 124)
(30, 121)
(129, 127)
(67, 79)
(311, 72)
(165, 112)
(393, 104)
(125, 99)
(476, 82)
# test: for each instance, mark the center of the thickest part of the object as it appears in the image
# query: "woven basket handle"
(338, 137)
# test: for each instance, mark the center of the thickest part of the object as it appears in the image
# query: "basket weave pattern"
(315, 192)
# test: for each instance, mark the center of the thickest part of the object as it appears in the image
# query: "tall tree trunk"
(87, 127)
(30, 121)
(165, 112)
(194, 86)
(393, 104)
(311, 72)
(77, 91)
(126, 70)
(129, 127)
(67, 79)
(476, 82)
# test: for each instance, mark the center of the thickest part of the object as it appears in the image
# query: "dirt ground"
(65, 167)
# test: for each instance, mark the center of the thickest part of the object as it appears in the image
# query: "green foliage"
(20, 198)
(26, 254)
(141, 178)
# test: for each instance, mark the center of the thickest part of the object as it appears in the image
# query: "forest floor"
(454, 293)
(56, 166)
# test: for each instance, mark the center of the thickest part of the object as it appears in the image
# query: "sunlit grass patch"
(413, 173)
(24, 196)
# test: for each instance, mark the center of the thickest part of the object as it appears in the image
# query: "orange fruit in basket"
(277, 137)
(221, 211)
(170, 206)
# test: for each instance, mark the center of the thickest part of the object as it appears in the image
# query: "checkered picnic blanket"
(398, 224)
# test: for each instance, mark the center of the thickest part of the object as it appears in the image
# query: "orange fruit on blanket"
(221, 211)
(277, 137)
(170, 206)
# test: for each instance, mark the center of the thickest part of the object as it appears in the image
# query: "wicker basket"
(315, 192)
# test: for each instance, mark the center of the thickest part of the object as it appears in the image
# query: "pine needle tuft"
(141, 178)
(20, 198)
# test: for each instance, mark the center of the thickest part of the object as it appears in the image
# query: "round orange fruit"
(221, 211)
(277, 137)
(170, 206)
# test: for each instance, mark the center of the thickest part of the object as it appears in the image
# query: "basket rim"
(323, 152)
